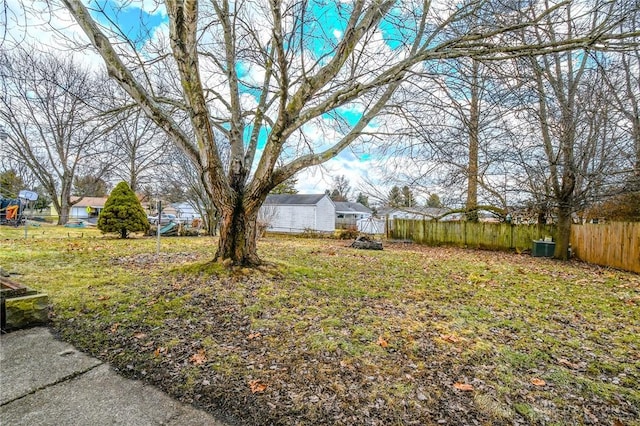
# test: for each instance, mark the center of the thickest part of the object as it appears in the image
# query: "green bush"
(122, 213)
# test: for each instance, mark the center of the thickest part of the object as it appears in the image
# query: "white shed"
(296, 213)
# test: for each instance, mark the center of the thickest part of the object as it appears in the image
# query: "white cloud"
(152, 7)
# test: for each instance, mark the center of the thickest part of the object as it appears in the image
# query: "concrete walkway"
(47, 382)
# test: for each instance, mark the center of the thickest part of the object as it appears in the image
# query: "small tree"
(408, 199)
(395, 197)
(341, 189)
(123, 213)
(286, 187)
(10, 184)
(434, 201)
(363, 199)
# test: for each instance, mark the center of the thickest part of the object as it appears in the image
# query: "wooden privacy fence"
(494, 236)
(614, 244)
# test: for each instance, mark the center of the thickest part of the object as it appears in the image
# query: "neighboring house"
(348, 214)
(87, 208)
(426, 213)
(297, 213)
(186, 211)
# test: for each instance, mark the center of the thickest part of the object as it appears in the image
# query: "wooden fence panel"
(615, 244)
(497, 236)
(524, 235)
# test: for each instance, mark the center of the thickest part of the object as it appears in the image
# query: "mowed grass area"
(331, 335)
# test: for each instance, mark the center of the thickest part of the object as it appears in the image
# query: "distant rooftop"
(349, 207)
(294, 199)
(89, 201)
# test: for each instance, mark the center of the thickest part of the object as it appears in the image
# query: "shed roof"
(349, 207)
(294, 199)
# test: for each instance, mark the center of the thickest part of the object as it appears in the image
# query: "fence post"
(464, 233)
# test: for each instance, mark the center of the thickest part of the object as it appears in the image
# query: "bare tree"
(622, 77)
(52, 126)
(255, 72)
(341, 188)
(139, 147)
(568, 102)
(182, 172)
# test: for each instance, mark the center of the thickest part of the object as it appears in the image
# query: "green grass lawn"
(331, 335)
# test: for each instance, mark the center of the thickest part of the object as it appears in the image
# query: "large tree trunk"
(63, 215)
(210, 218)
(238, 232)
(564, 232)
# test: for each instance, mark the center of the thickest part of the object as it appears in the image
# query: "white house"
(186, 211)
(296, 213)
(348, 213)
(422, 213)
(87, 207)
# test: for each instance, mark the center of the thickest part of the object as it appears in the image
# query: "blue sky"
(137, 24)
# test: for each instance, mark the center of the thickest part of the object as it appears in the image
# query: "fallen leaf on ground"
(463, 386)
(538, 382)
(382, 342)
(139, 335)
(114, 327)
(198, 358)
(103, 297)
(159, 351)
(451, 338)
(568, 363)
(257, 386)
(253, 336)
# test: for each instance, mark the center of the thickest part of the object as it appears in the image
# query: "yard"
(331, 335)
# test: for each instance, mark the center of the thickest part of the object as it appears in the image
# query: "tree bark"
(564, 232)
(474, 142)
(238, 235)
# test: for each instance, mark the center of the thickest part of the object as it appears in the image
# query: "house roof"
(349, 207)
(294, 199)
(90, 201)
(415, 211)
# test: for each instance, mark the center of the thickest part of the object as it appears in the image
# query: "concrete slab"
(32, 359)
(101, 397)
(47, 382)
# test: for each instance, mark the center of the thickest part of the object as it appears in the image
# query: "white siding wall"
(293, 218)
(298, 218)
(325, 215)
(78, 213)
